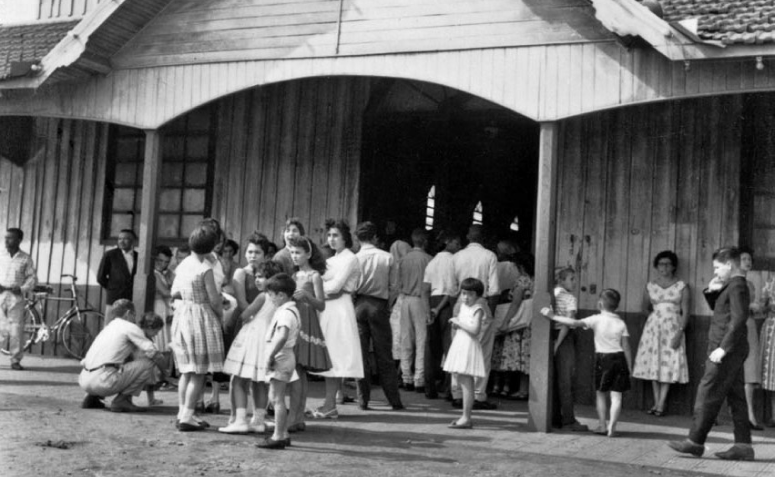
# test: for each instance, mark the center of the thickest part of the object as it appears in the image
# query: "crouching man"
(106, 369)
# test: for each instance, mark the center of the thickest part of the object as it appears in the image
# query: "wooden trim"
(149, 209)
(541, 362)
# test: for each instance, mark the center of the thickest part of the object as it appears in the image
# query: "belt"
(108, 365)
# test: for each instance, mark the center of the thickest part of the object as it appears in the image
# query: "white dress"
(246, 356)
(337, 321)
(465, 353)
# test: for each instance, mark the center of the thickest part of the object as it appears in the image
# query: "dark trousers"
(439, 337)
(373, 320)
(564, 369)
(722, 381)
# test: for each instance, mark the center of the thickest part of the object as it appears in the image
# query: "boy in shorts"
(613, 357)
(282, 333)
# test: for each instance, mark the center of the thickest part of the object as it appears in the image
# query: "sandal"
(455, 425)
(658, 413)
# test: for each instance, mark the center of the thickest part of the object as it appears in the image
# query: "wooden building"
(596, 131)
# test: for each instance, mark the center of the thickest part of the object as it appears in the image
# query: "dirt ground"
(46, 433)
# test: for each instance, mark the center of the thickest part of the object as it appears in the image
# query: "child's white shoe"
(235, 428)
(257, 426)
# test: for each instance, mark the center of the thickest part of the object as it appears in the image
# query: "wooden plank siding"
(641, 180)
(55, 198)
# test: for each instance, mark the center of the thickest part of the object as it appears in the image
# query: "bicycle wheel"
(79, 332)
(32, 326)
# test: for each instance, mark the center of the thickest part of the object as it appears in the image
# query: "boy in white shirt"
(282, 333)
(613, 356)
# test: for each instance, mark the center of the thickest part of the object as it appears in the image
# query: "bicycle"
(74, 327)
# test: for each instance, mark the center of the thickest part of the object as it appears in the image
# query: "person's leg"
(486, 338)
(565, 359)
(446, 340)
(260, 400)
(420, 326)
(454, 388)
(616, 411)
(15, 315)
(295, 394)
(712, 391)
(655, 394)
(433, 350)
(379, 329)
(602, 409)
(407, 341)
(132, 379)
(749, 402)
(362, 313)
(193, 391)
(182, 390)
(467, 385)
(332, 386)
(739, 409)
(664, 388)
(277, 395)
(302, 404)
(238, 394)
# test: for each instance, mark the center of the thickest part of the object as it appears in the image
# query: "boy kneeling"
(281, 335)
(613, 358)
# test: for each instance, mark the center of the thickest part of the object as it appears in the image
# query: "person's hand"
(300, 295)
(755, 307)
(717, 355)
(556, 346)
(547, 311)
(675, 343)
(270, 363)
(454, 323)
(715, 284)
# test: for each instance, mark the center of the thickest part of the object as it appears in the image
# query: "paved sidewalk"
(39, 410)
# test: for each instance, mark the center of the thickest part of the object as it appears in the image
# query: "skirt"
(197, 341)
(311, 351)
(342, 340)
(768, 354)
(465, 356)
(753, 363)
(514, 352)
(246, 357)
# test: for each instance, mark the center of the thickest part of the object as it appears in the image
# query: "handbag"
(521, 318)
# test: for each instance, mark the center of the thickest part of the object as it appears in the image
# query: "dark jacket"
(730, 311)
(114, 275)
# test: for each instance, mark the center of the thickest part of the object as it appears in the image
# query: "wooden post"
(149, 208)
(541, 355)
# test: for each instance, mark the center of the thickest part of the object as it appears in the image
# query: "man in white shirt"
(17, 277)
(440, 288)
(475, 261)
(106, 371)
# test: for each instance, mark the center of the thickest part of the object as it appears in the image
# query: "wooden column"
(149, 208)
(541, 355)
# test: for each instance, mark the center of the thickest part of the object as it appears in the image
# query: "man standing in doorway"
(17, 277)
(117, 270)
(475, 261)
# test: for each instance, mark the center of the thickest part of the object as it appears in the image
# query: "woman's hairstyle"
(281, 283)
(150, 321)
(202, 239)
(343, 227)
(260, 240)
(610, 299)
(727, 254)
(668, 254)
(474, 285)
(234, 246)
(366, 231)
(561, 273)
(745, 249)
(162, 250)
(294, 221)
(269, 268)
(316, 259)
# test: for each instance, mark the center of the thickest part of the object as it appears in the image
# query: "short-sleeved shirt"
(565, 304)
(440, 274)
(609, 329)
(286, 315)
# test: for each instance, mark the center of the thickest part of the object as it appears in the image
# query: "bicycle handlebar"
(67, 275)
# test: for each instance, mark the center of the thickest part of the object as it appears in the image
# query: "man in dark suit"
(729, 298)
(117, 270)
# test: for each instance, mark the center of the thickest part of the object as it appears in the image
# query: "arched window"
(478, 213)
(430, 208)
(515, 224)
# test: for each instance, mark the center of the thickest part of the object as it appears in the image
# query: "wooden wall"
(56, 199)
(639, 180)
(285, 150)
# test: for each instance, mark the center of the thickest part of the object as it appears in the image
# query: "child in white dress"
(465, 358)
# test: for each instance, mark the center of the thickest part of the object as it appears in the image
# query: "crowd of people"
(455, 324)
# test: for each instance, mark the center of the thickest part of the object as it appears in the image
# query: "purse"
(521, 319)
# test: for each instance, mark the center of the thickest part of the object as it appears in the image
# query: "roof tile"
(742, 22)
(29, 42)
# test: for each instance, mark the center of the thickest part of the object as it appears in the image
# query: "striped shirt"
(565, 304)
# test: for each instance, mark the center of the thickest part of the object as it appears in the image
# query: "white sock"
(259, 416)
(187, 415)
(240, 415)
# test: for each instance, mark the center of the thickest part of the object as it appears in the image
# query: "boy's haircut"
(162, 250)
(366, 231)
(610, 299)
(344, 229)
(128, 231)
(668, 254)
(316, 260)
(202, 240)
(561, 273)
(419, 237)
(260, 240)
(271, 248)
(474, 285)
(119, 308)
(150, 321)
(281, 283)
(727, 254)
(234, 246)
(295, 221)
(16, 231)
(269, 268)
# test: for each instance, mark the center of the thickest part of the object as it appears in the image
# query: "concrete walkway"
(46, 433)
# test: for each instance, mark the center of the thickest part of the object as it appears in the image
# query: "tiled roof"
(745, 22)
(29, 42)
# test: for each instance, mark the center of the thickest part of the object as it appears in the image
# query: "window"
(186, 188)
(478, 213)
(514, 224)
(430, 208)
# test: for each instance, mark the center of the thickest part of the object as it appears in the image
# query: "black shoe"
(419, 389)
(687, 447)
(409, 386)
(17, 367)
(485, 405)
(364, 407)
(737, 452)
(756, 427)
(579, 427)
(270, 443)
(398, 407)
(92, 402)
(431, 395)
(457, 403)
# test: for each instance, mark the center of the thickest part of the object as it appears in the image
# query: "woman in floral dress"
(661, 356)
(768, 343)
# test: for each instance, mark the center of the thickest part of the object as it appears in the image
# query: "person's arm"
(254, 307)
(470, 328)
(686, 300)
(216, 302)
(162, 288)
(136, 336)
(29, 277)
(627, 351)
(238, 285)
(565, 321)
(517, 296)
(645, 302)
(739, 300)
(102, 272)
(278, 341)
(392, 281)
(337, 282)
(712, 292)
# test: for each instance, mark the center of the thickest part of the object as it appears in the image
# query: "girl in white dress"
(337, 320)
(465, 358)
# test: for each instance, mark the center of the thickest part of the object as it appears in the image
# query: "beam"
(541, 355)
(149, 211)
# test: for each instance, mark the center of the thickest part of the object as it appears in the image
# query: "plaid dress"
(197, 339)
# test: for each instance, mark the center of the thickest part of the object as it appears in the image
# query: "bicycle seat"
(67, 275)
(42, 289)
